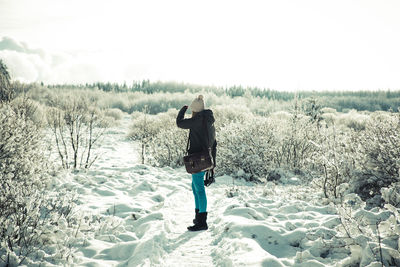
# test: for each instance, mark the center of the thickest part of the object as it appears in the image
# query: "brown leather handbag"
(199, 161)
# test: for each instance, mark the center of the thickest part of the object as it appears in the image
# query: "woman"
(201, 137)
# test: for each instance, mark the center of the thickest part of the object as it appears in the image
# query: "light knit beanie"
(197, 104)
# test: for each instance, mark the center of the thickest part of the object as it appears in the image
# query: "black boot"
(195, 218)
(201, 222)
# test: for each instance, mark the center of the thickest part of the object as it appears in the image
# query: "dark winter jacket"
(198, 124)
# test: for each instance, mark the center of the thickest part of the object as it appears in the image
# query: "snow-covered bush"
(328, 110)
(391, 194)
(313, 109)
(167, 145)
(353, 119)
(26, 208)
(40, 221)
(115, 114)
(77, 126)
(119, 102)
(293, 140)
(20, 156)
(247, 146)
(329, 118)
(30, 109)
(280, 116)
(332, 159)
(146, 127)
(232, 191)
(6, 92)
(378, 156)
(226, 114)
(372, 236)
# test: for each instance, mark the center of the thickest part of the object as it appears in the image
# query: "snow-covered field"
(143, 213)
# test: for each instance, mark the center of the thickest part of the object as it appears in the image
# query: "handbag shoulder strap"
(187, 145)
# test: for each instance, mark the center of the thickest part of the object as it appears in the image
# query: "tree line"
(342, 101)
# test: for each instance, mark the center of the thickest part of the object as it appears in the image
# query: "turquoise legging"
(199, 192)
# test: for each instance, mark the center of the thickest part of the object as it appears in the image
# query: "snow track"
(145, 212)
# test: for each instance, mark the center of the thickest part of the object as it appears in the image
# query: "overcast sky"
(280, 44)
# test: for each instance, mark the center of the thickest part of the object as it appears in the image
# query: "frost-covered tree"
(77, 126)
(6, 92)
(313, 109)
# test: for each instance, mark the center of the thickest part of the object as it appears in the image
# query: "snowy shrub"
(391, 194)
(121, 103)
(146, 127)
(381, 116)
(38, 221)
(378, 156)
(274, 175)
(168, 146)
(333, 160)
(115, 114)
(353, 119)
(247, 146)
(232, 191)
(19, 146)
(6, 92)
(30, 109)
(329, 118)
(328, 110)
(26, 208)
(371, 236)
(226, 114)
(269, 189)
(77, 127)
(280, 116)
(293, 140)
(313, 109)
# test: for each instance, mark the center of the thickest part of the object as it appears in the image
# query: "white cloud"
(35, 65)
(20, 65)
